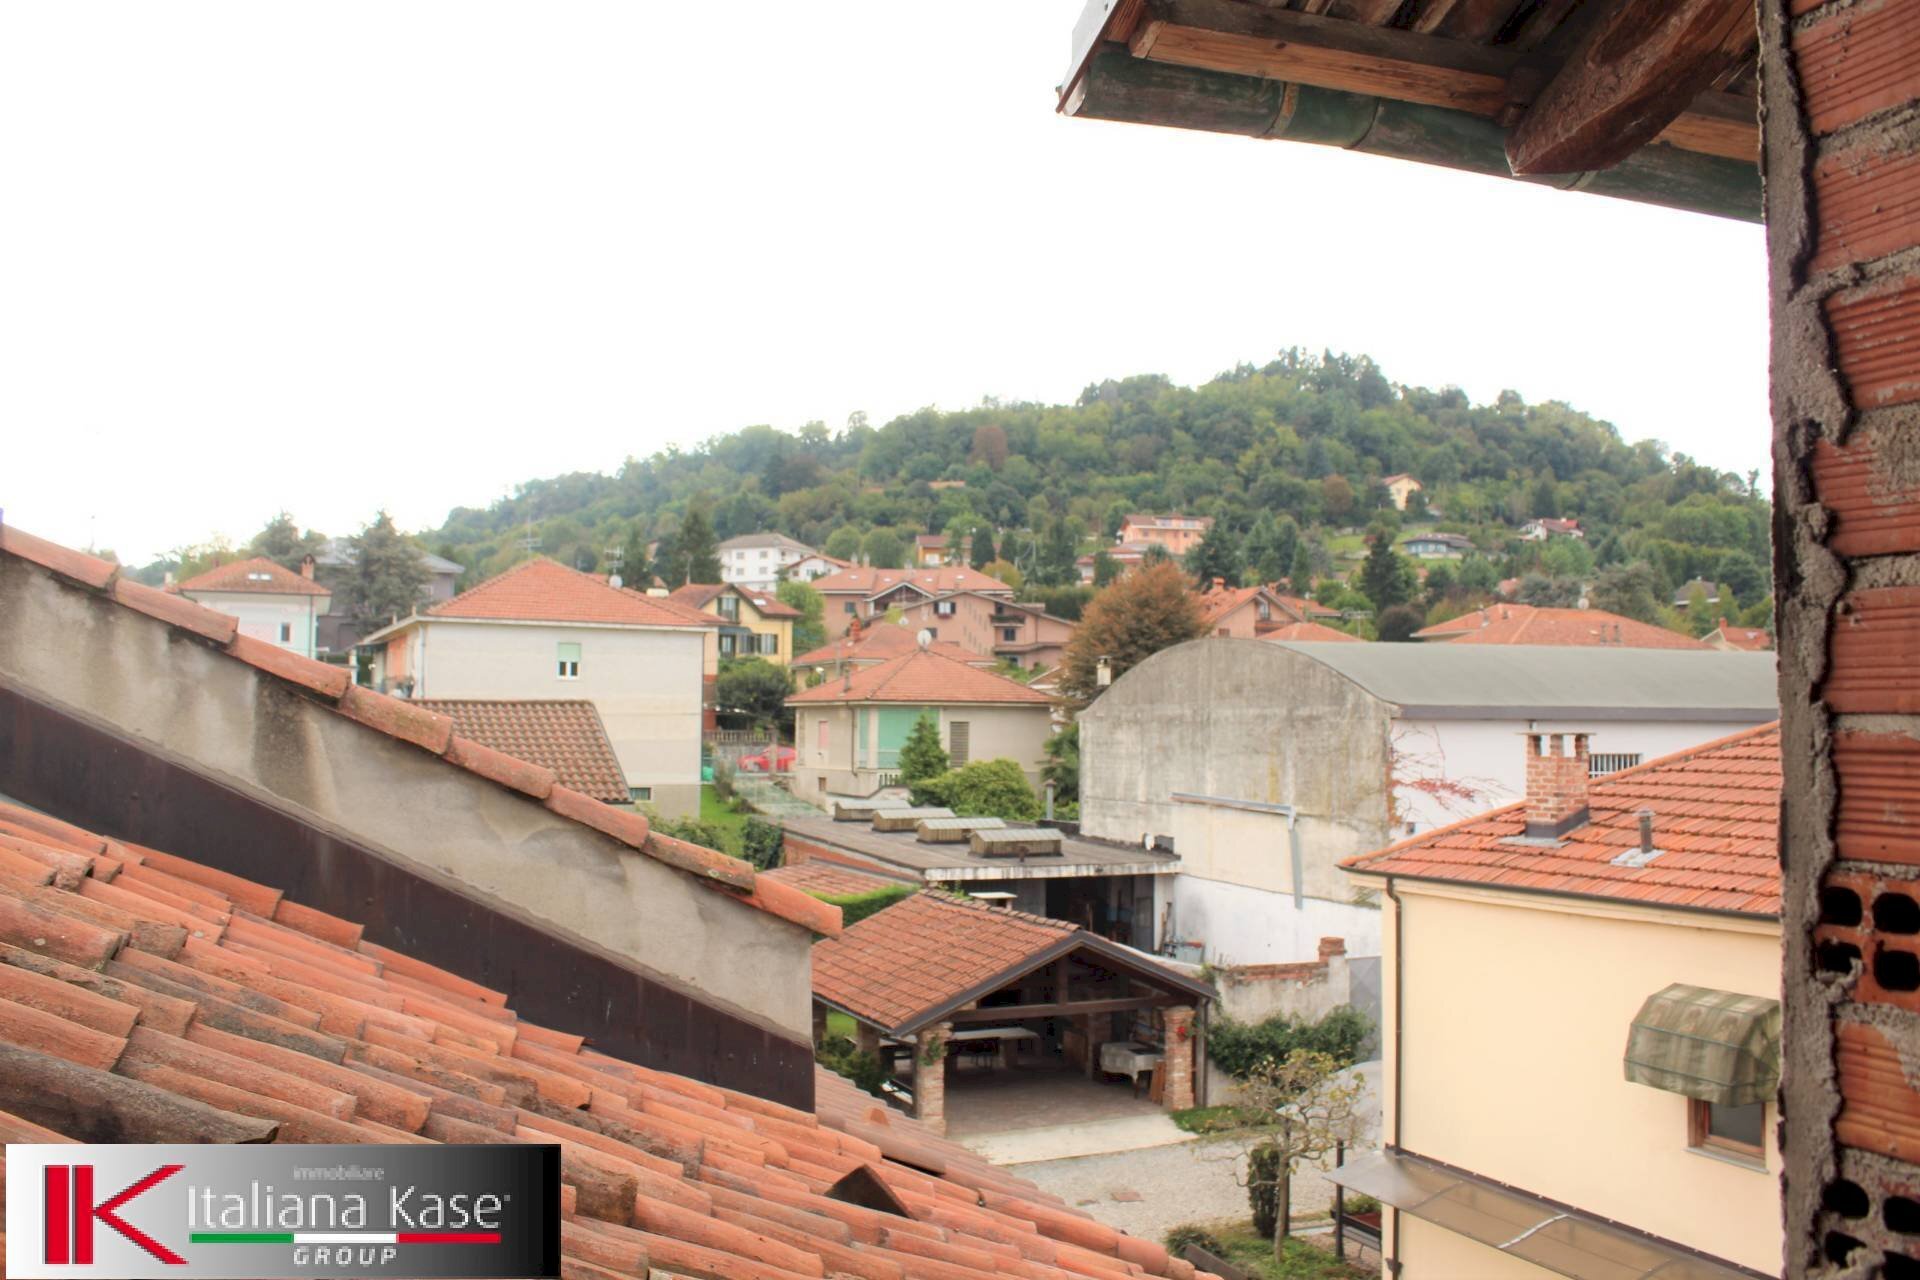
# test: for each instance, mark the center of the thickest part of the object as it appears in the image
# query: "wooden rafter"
(1629, 80)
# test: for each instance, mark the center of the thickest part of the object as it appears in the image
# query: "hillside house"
(541, 630)
(1646, 905)
(872, 645)
(1548, 527)
(1177, 533)
(1025, 635)
(1126, 557)
(1437, 546)
(930, 551)
(849, 730)
(1253, 613)
(753, 623)
(760, 560)
(817, 565)
(863, 592)
(1738, 639)
(271, 602)
(1400, 488)
(1264, 764)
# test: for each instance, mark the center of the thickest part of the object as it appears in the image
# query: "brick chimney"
(306, 567)
(1556, 784)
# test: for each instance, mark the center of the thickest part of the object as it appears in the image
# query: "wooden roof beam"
(1638, 69)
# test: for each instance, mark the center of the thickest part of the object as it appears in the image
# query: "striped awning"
(1717, 1046)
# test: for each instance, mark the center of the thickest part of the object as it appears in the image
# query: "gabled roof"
(913, 963)
(1459, 540)
(748, 541)
(828, 879)
(1750, 639)
(1312, 632)
(881, 642)
(564, 735)
(698, 595)
(1399, 475)
(256, 576)
(1526, 624)
(1149, 520)
(207, 1007)
(923, 678)
(332, 687)
(1716, 820)
(336, 553)
(929, 539)
(1218, 602)
(543, 590)
(867, 580)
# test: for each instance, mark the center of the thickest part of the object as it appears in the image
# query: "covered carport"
(982, 1013)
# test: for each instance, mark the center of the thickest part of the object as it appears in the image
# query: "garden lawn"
(1302, 1261)
(714, 810)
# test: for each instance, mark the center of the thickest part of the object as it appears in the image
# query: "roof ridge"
(432, 731)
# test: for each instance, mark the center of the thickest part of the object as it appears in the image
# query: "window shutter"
(959, 733)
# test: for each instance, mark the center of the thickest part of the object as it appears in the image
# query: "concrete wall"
(1243, 721)
(1308, 991)
(1017, 733)
(645, 684)
(250, 733)
(261, 616)
(1238, 925)
(1514, 1016)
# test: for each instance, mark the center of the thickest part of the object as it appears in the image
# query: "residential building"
(1437, 546)
(1264, 764)
(930, 550)
(849, 731)
(1742, 639)
(809, 567)
(561, 734)
(1250, 613)
(753, 623)
(931, 966)
(1635, 921)
(1310, 632)
(1127, 556)
(271, 602)
(1548, 527)
(542, 630)
(339, 631)
(1177, 533)
(1524, 624)
(863, 592)
(760, 560)
(1025, 635)
(872, 645)
(1401, 487)
(1683, 598)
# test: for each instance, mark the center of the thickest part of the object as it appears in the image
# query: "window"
(1739, 1132)
(1601, 765)
(944, 608)
(959, 741)
(769, 644)
(934, 632)
(728, 644)
(1009, 635)
(569, 659)
(826, 735)
(286, 632)
(639, 795)
(849, 606)
(1263, 610)
(730, 608)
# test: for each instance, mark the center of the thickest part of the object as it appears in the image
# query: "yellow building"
(1581, 1025)
(753, 624)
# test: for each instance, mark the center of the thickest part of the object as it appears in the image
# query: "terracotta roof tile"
(1716, 813)
(923, 951)
(698, 595)
(564, 736)
(921, 677)
(659, 1171)
(867, 580)
(258, 575)
(409, 722)
(1310, 631)
(543, 590)
(880, 642)
(826, 878)
(1526, 624)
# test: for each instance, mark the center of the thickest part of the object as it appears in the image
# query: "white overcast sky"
(335, 257)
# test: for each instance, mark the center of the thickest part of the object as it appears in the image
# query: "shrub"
(1237, 1048)
(982, 789)
(855, 907)
(692, 830)
(922, 757)
(1180, 1237)
(760, 843)
(841, 1056)
(1263, 1189)
(1357, 1204)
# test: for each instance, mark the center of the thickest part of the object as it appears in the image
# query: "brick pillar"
(930, 1076)
(1177, 1085)
(1839, 84)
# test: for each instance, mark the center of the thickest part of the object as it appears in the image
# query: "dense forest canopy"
(1287, 457)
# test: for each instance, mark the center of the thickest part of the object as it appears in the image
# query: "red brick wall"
(1841, 90)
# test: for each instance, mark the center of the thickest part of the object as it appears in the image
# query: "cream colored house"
(849, 730)
(272, 602)
(1401, 487)
(542, 630)
(1581, 1025)
(753, 624)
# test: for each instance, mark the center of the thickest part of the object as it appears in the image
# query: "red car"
(772, 760)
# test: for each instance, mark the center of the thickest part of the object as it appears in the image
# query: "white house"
(1264, 764)
(272, 603)
(760, 559)
(542, 630)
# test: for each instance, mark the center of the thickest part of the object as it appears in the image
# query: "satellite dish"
(925, 638)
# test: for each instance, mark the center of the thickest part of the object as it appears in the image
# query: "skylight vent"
(1645, 852)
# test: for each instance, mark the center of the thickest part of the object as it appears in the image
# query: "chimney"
(306, 567)
(1219, 584)
(1556, 784)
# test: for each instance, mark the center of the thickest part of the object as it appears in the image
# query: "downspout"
(1293, 852)
(1395, 1259)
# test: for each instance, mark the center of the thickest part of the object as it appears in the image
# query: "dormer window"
(254, 575)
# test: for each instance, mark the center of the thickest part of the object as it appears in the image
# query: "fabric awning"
(1717, 1046)
(1548, 1235)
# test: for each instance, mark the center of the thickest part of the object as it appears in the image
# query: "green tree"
(696, 553)
(1005, 573)
(1383, 575)
(1301, 1108)
(921, 756)
(636, 566)
(1336, 498)
(1742, 574)
(1059, 548)
(1105, 568)
(809, 630)
(1216, 555)
(753, 689)
(1062, 768)
(982, 789)
(980, 551)
(884, 549)
(387, 576)
(283, 543)
(1478, 576)
(1127, 623)
(843, 543)
(1630, 590)
(1397, 623)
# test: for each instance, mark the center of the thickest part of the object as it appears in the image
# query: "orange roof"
(832, 880)
(409, 722)
(210, 1007)
(1716, 818)
(1525, 624)
(923, 951)
(1217, 602)
(1750, 639)
(561, 734)
(543, 590)
(698, 595)
(867, 580)
(878, 643)
(1311, 631)
(258, 575)
(921, 677)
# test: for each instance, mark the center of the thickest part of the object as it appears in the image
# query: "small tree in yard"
(921, 757)
(1299, 1109)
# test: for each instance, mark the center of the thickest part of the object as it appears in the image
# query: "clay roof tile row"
(921, 677)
